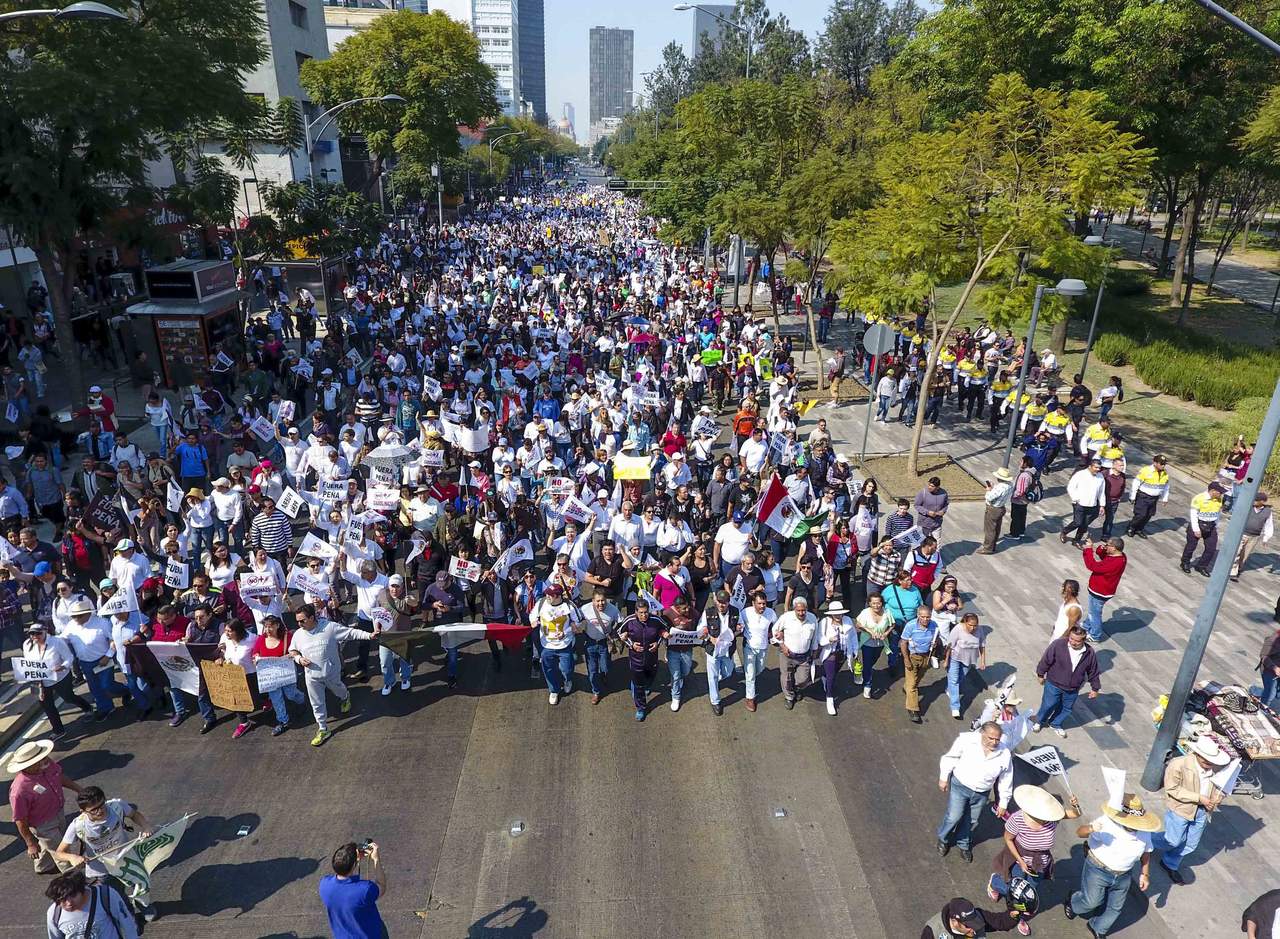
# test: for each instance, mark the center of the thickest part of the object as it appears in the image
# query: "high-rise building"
(496, 24)
(533, 64)
(704, 22)
(612, 67)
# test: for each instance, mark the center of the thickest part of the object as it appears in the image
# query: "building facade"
(533, 64)
(612, 67)
(704, 22)
(496, 24)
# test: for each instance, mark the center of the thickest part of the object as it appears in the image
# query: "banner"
(173, 497)
(652, 399)
(263, 429)
(382, 475)
(30, 670)
(289, 502)
(468, 570)
(383, 498)
(400, 641)
(354, 532)
(419, 545)
(531, 371)
(630, 467)
(577, 510)
(474, 439)
(225, 361)
(913, 537)
(333, 490)
(258, 585)
(276, 673)
(104, 512)
(303, 580)
(124, 600)
(133, 864)
(383, 618)
(519, 553)
(177, 574)
(315, 547)
(1045, 759)
(433, 459)
(228, 686)
(703, 425)
(11, 413)
(179, 665)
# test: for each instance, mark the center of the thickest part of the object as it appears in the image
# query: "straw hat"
(29, 754)
(1039, 804)
(80, 608)
(195, 492)
(1002, 473)
(1133, 815)
(1208, 749)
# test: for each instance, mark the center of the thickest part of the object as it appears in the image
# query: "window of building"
(298, 13)
(300, 57)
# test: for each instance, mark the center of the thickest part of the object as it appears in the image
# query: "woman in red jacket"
(1106, 563)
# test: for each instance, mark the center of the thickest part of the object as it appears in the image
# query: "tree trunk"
(1197, 203)
(773, 294)
(1081, 223)
(1058, 337)
(54, 265)
(917, 433)
(1171, 196)
(1179, 263)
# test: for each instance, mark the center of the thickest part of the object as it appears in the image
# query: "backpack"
(1035, 492)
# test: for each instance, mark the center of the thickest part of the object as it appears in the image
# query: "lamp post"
(745, 30)
(514, 133)
(328, 118)
(1094, 241)
(84, 10)
(435, 171)
(1067, 287)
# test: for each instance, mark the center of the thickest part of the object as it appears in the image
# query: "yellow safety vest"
(1097, 433)
(1111, 454)
(1057, 423)
(1001, 389)
(1150, 476)
(1035, 411)
(947, 357)
(1207, 507)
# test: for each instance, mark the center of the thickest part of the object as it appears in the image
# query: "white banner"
(474, 439)
(577, 510)
(177, 574)
(419, 545)
(302, 579)
(315, 547)
(124, 600)
(1045, 759)
(173, 497)
(531, 371)
(468, 570)
(382, 475)
(30, 670)
(289, 502)
(913, 537)
(683, 637)
(704, 425)
(382, 497)
(354, 532)
(179, 667)
(258, 585)
(276, 673)
(263, 429)
(225, 361)
(434, 459)
(333, 490)
(518, 553)
(651, 399)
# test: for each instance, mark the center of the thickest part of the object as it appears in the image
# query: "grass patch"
(890, 472)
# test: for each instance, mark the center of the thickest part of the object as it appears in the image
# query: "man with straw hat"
(1029, 835)
(37, 801)
(1190, 794)
(997, 500)
(1118, 840)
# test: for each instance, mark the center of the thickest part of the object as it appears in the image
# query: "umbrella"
(643, 339)
(392, 456)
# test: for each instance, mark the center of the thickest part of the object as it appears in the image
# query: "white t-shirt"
(1115, 846)
(733, 542)
(757, 627)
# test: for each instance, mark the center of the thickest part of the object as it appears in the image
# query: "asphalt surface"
(669, 828)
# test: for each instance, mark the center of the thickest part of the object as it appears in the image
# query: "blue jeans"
(140, 690)
(227, 533)
(102, 683)
(180, 707)
(390, 662)
(964, 810)
(1001, 886)
(1180, 837)
(882, 407)
(719, 668)
(557, 668)
(753, 663)
(1099, 887)
(1055, 705)
(1270, 684)
(597, 656)
(679, 664)
(201, 541)
(824, 326)
(1093, 618)
(278, 697)
(955, 677)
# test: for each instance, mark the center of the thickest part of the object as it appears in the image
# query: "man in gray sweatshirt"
(314, 646)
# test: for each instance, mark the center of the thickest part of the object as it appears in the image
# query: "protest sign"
(124, 600)
(652, 399)
(258, 585)
(30, 670)
(11, 413)
(228, 686)
(383, 498)
(177, 574)
(225, 361)
(382, 617)
(316, 547)
(1045, 759)
(432, 388)
(354, 532)
(289, 502)
(683, 637)
(179, 665)
(263, 429)
(419, 545)
(286, 411)
(304, 370)
(333, 490)
(531, 371)
(173, 497)
(276, 673)
(577, 510)
(303, 580)
(104, 512)
(474, 439)
(913, 537)
(382, 475)
(630, 467)
(519, 553)
(434, 459)
(560, 486)
(704, 425)
(712, 356)
(468, 570)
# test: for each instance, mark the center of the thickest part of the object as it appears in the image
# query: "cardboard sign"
(383, 498)
(354, 532)
(276, 673)
(286, 411)
(26, 671)
(560, 486)
(263, 429)
(304, 581)
(177, 574)
(382, 618)
(258, 585)
(228, 686)
(704, 425)
(433, 459)
(383, 475)
(289, 502)
(315, 547)
(333, 490)
(468, 570)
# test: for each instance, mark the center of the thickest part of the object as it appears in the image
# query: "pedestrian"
(1261, 918)
(97, 830)
(350, 900)
(757, 631)
(56, 656)
(1086, 490)
(642, 631)
(1257, 528)
(84, 910)
(1106, 563)
(917, 645)
(597, 622)
(1269, 664)
(1190, 795)
(1025, 491)
(966, 650)
(1113, 486)
(273, 643)
(931, 505)
(974, 765)
(961, 918)
(1064, 668)
(719, 628)
(1029, 835)
(1070, 613)
(1150, 486)
(314, 646)
(875, 630)
(1118, 841)
(796, 633)
(38, 804)
(997, 498)
(838, 639)
(555, 618)
(1202, 529)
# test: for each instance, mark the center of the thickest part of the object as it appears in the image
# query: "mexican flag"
(509, 634)
(780, 512)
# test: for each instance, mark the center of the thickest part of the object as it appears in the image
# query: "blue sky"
(568, 23)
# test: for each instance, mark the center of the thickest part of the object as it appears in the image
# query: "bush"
(1128, 283)
(1114, 349)
(1217, 441)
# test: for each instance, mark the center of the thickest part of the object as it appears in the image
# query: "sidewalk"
(1016, 592)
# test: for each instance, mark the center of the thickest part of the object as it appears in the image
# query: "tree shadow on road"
(516, 920)
(215, 888)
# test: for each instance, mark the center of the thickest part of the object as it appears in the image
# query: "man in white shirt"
(1086, 490)
(1118, 841)
(129, 566)
(599, 621)
(796, 633)
(624, 530)
(975, 763)
(757, 628)
(89, 637)
(732, 540)
(753, 453)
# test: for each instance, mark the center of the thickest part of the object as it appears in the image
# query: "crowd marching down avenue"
(544, 430)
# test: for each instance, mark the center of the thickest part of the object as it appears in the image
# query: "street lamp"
(328, 118)
(1094, 241)
(84, 10)
(1067, 287)
(684, 7)
(514, 133)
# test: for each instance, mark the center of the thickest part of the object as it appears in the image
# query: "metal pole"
(1022, 373)
(1233, 20)
(1202, 628)
(871, 403)
(1275, 296)
(1093, 325)
(748, 32)
(734, 248)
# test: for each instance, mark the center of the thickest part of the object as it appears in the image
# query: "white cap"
(95, 389)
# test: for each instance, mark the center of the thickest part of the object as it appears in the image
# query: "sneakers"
(595, 699)
(386, 690)
(866, 690)
(789, 703)
(1024, 928)
(1060, 732)
(915, 717)
(553, 698)
(345, 707)
(640, 714)
(675, 704)
(717, 709)
(1035, 728)
(320, 737)
(241, 729)
(955, 713)
(831, 706)
(277, 730)
(149, 912)
(404, 685)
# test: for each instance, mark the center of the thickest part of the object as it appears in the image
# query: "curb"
(14, 722)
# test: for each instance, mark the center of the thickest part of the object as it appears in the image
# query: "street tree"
(671, 80)
(86, 106)
(859, 35)
(316, 220)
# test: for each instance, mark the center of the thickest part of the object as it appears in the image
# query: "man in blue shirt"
(351, 901)
(916, 643)
(191, 462)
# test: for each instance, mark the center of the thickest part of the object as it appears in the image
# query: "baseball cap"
(105, 583)
(42, 568)
(738, 516)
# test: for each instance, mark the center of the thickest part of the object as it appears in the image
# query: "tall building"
(704, 22)
(612, 69)
(496, 24)
(533, 65)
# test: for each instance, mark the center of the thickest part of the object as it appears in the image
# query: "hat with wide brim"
(1002, 473)
(80, 608)
(1133, 815)
(1039, 804)
(29, 754)
(195, 492)
(1208, 749)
